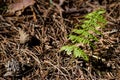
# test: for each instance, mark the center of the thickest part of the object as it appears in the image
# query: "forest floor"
(31, 38)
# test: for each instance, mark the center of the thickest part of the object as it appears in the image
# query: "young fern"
(86, 34)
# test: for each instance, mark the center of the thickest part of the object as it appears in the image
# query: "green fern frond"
(80, 53)
(68, 49)
(85, 34)
(77, 31)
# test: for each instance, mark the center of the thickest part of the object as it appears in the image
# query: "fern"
(76, 51)
(86, 34)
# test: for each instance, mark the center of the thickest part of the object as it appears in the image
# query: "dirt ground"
(31, 38)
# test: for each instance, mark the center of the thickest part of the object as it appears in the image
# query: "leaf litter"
(43, 61)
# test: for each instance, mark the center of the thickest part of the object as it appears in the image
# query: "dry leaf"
(19, 5)
(23, 36)
(8, 74)
(61, 2)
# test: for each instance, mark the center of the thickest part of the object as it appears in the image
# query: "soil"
(30, 42)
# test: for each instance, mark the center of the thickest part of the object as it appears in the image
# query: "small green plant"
(85, 34)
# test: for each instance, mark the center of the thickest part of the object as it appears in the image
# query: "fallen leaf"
(8, 74)
(19, 5)
(23, 36)
(61, 2)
